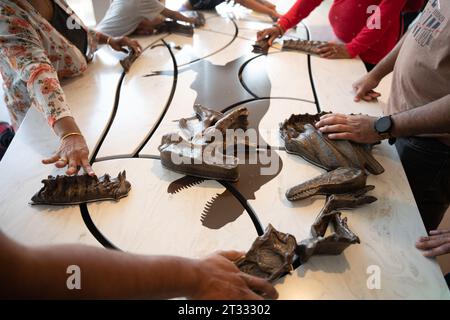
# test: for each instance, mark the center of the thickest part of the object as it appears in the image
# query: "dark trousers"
(427, 165)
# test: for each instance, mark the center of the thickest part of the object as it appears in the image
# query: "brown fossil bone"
(129, 60)
(334, 244)
(338, 181)
(198, 153)
(69, 190)
(307, 46)
(261, 46)
(337, 202)
(302, 138)
(270, 256)
(175, 27)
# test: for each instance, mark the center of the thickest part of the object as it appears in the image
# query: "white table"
(152, 220)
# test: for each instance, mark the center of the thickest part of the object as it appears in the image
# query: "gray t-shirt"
(422, 69)
(124, 16)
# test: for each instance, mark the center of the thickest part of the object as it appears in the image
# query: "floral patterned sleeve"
(26, 59)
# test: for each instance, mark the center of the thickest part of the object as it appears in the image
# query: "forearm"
(432, 118)
(175, 15)
(299, 11)
(386, 66)
(104, 274)
(256, 6)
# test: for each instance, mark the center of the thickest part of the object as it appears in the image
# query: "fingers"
(342, 136)
(87, 167)
(61, 163)
(272, 39)
(331, 120)
(443, 249)
(51, 160)
(72, 167)
(426, 243)
(442, 231)
(335, 128)
(261, 286)
(231, 255)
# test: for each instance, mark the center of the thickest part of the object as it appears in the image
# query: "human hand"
(271, 33)
(72, 152)
(218, 278)
(364, 88)
(438, 243)
(358, 128)
(122, 43)
(333, 51)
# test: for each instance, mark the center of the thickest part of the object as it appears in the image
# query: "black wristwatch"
(383, 126)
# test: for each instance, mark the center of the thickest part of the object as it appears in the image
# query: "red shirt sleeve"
(371, 35)
(299, 11)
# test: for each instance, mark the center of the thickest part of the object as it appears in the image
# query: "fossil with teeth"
(261, 46)
(302, 138)
(308, 46)
(69, 190)
(270, 256)
(338, 181)
(198, 153)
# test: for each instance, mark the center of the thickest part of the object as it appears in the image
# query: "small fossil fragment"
(129, 60)
(308, 46)
(69, 190)
(334, 244)
(271, 255)
(302, 138)
(338, 181)
(262, 46)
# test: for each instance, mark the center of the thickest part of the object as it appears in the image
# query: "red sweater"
(349, 21)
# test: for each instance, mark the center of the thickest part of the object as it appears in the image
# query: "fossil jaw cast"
(338, 181)
(69, 190)
(302, 138)
(270, 256)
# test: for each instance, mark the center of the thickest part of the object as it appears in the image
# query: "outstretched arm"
(175, 15)
(259, 7)
(41, 273)
(432, 118)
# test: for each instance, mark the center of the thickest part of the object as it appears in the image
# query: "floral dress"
(33, 55)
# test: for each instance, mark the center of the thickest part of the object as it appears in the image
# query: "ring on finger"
(64, 160)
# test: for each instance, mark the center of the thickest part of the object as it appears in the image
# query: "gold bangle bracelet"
(108, 41)
(70, 134)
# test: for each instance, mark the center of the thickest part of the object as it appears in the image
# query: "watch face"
(383, 124)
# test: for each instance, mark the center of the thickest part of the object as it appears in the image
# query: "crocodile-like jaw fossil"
(262, 46)
(271, 255)
(334, 244)
(129, 60)
(171, 26)
(308, 46)
(337, 202)
(338, 181)
(302, 138)
(69, 190)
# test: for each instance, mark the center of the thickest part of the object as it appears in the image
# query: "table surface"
(167, 213)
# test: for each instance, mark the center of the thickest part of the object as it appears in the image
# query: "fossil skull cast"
(69, 190)
(338, 181)
(201, 147)
(302, 138)
(270, 256)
